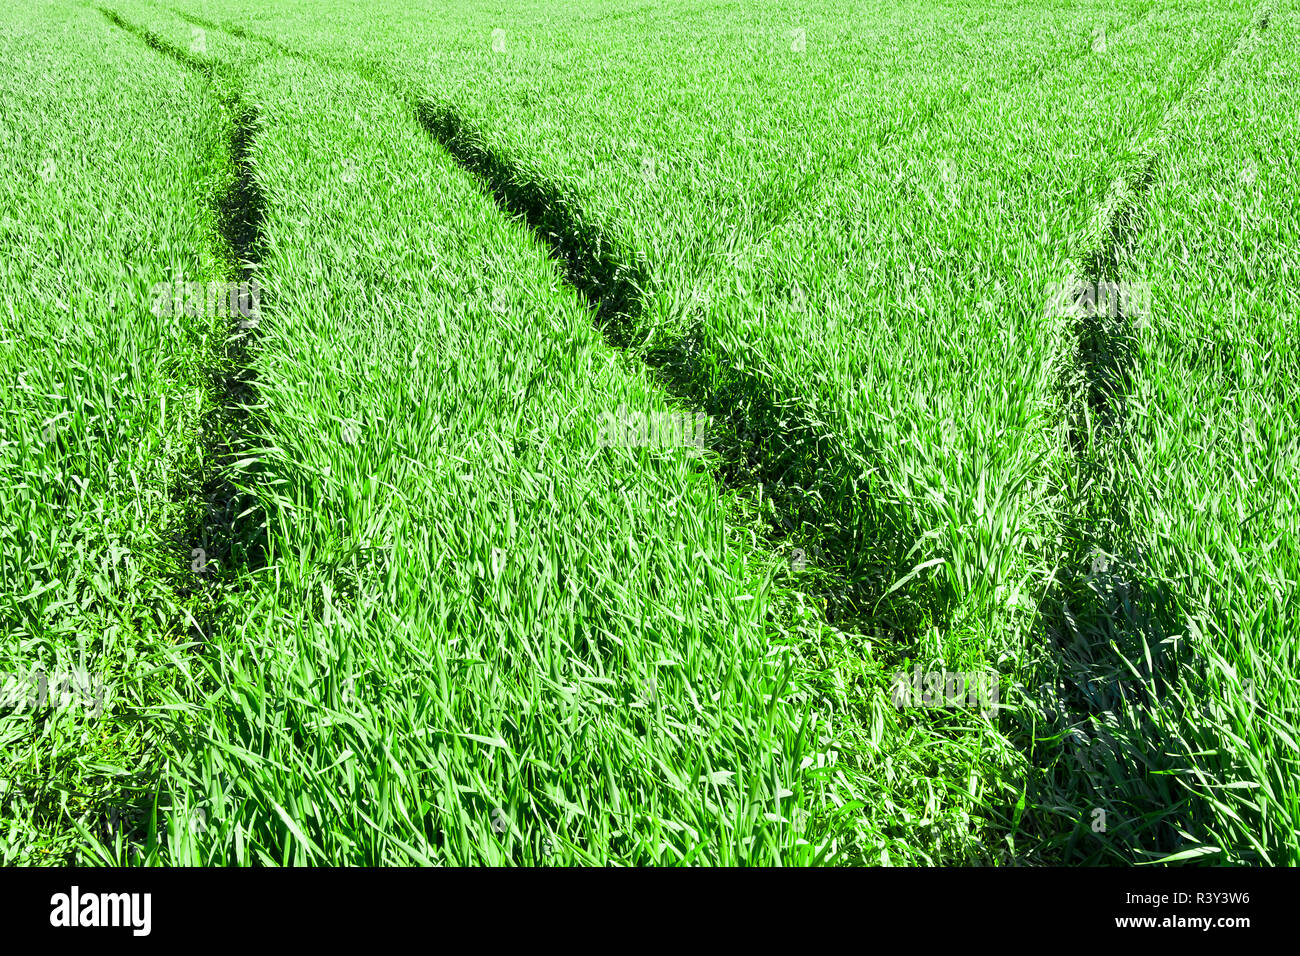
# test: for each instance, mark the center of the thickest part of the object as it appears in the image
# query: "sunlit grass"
(470, 633)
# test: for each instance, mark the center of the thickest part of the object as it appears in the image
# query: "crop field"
(645, 433)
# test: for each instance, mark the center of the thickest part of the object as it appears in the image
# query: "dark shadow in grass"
(1097, 740)
(817, 491)
(234, 523)
(1104, 787)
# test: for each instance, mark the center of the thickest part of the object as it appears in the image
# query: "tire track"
(236, 532)
(1102, 609)
(811, 487)
(227, 531)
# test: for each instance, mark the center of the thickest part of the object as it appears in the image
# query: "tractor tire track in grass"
(768, 443)
(1104, 349)
(226, 533)
(801, 476)
(236, 533)
(236, 526)
(158, 44)
(1110, 622)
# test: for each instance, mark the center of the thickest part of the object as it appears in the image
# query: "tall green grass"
(451, 626)
(886, 763)
(479, 637)
(864, 299)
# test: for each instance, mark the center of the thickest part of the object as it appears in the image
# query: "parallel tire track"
(789, 460)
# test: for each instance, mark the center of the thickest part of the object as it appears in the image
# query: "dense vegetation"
(358, 575)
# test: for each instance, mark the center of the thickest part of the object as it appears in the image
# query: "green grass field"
(624, 405)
